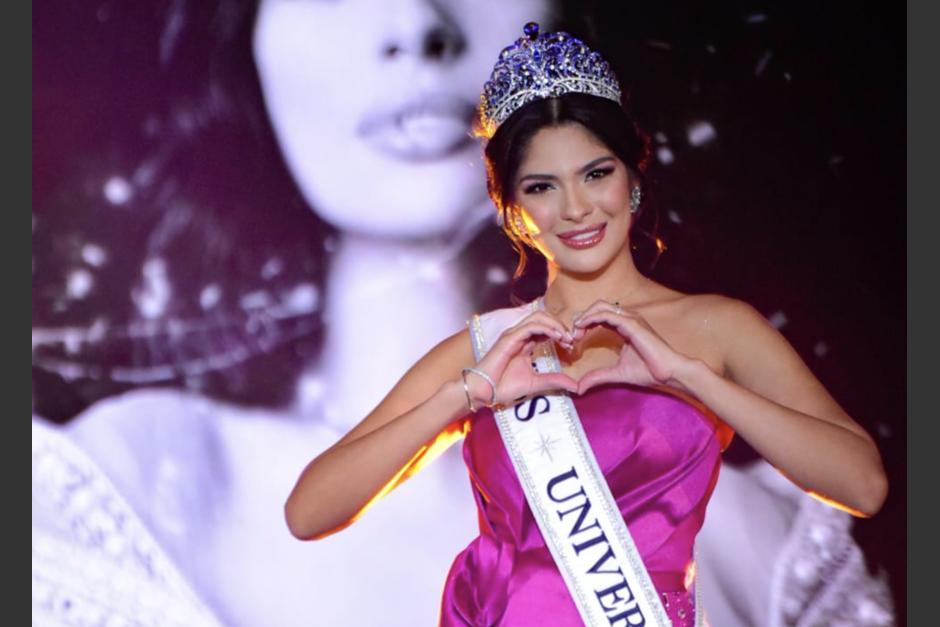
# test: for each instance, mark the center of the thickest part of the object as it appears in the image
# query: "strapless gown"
(660, 456)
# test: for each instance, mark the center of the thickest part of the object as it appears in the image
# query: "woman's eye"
(536, 188)
(599, 173)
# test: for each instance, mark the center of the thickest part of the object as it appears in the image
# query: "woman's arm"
(769, 397)
(772, 399)
(414, 423)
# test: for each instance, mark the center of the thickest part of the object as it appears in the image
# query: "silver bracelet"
(466, 390)
(486, 377)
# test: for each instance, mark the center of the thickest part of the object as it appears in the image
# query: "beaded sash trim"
(572, 504)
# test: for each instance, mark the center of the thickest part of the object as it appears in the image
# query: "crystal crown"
(541, 65)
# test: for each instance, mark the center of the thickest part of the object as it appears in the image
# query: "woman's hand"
(645, 359)
(509, 363)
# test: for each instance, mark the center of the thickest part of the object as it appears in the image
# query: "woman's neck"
(387, 303)
(620, 281)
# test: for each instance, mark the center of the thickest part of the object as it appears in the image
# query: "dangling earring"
(635, 196)
(520, 226)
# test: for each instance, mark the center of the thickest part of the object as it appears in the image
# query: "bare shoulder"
(735, 328)
(678, 303)
(733, 320)
(723, 308)
(760, 358)
(695, 313)
(705, 326)
(720, 316)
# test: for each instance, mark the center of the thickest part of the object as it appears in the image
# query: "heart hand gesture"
(645, 359)
(509, 363)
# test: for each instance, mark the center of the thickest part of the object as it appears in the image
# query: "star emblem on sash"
(545, 445)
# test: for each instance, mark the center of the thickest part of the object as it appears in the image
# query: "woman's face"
(372, 102)
(574, 196)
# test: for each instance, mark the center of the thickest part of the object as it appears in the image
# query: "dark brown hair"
(505, 150)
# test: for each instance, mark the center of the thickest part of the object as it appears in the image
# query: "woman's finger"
(611, 319)
(597, 377)
(539, 316)
(599, 306)
(553, 381)
(538, 330)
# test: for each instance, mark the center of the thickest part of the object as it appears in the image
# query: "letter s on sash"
(531, 408)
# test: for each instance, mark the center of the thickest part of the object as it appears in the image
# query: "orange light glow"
(837, 505)
(455, 432)
(689, 575)
(828, 501)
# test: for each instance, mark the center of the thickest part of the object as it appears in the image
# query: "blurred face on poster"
(372, 102)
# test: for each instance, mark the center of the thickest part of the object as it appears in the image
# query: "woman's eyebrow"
(583, 170)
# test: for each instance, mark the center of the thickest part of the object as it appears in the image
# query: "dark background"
(796, 204)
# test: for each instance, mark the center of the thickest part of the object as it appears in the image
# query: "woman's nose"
(425, 29)
(576, 206)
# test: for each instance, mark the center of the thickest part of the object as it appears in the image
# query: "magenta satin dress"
(660, 456)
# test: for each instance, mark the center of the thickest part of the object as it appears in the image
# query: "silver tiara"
(541, 65)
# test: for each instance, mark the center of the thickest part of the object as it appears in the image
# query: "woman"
(661, 379)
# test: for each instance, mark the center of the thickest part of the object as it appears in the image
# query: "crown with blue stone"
(542, 65)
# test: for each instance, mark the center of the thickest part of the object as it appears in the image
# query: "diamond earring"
(520, 226)
(635, 196)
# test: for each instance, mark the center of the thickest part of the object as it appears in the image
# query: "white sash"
(570, 499)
